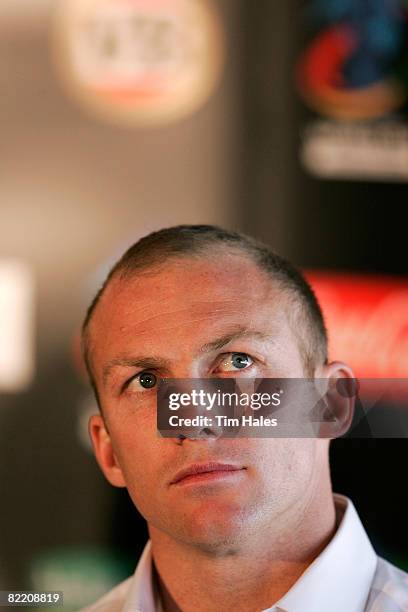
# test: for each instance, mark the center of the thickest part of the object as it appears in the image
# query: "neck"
(247, 575)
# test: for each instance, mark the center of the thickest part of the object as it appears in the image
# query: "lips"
(204, 468)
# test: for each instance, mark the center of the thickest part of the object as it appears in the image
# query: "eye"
(147, 380)
(234, 361)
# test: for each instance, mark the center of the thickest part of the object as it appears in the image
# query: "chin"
(216, 542)
(217, 527)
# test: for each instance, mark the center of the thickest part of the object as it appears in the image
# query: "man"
(242, 524)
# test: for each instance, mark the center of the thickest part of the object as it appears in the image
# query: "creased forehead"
(230, 284)
(195, 285)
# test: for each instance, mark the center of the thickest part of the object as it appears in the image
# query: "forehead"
(183, 303)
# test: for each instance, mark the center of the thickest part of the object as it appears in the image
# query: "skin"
(235, 543)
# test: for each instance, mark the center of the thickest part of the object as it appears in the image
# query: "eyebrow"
(145, 363)
(230, 337)
(150, 362)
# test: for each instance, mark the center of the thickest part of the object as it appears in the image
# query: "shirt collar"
(338, 579)
(142, 595)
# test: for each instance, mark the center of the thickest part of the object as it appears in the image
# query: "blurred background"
(286, 120)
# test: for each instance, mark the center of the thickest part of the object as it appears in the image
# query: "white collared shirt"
(347, 576)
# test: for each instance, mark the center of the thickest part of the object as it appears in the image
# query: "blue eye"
(240, 360)
(235, 361)
(147, 380)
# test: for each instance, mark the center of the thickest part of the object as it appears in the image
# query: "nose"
(192, 408)
(207, 433)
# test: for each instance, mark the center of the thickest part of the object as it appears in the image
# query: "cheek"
(135, 445)
(138, 458)
(287, 463)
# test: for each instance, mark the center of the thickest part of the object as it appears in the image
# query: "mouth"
(205, 472)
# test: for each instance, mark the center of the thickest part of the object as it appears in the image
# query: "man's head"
(207, 242)
(198, 302)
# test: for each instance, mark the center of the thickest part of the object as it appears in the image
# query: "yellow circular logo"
(138, 62)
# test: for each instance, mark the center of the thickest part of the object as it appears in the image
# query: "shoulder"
(389, 589)
(111, 601)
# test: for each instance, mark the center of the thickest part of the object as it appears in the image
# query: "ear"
(339, 398)
(103, 449)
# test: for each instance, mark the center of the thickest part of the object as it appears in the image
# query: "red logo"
(367, 321)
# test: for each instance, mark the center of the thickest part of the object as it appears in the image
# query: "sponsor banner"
(357, 151)
(367, 321)
(138, 62)
(353, 74)
(279, 407)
